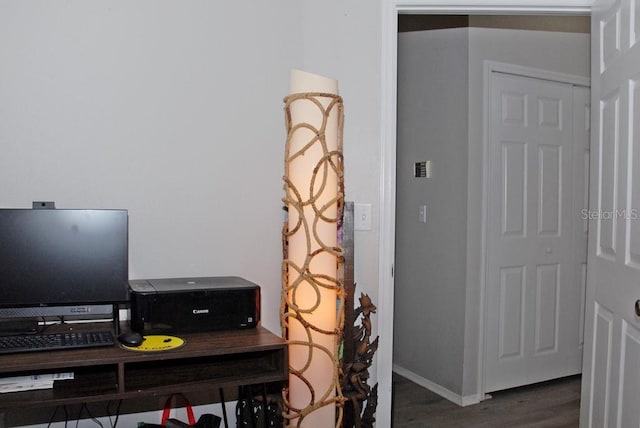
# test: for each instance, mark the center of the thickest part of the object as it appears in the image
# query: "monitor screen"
(56, 257)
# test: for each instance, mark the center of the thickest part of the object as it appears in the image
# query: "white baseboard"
(438, 389)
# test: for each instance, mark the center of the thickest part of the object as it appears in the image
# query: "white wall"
(560, 52)
(173, 110)
(342, 40)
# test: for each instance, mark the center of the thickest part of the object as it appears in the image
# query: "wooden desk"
(213, 359)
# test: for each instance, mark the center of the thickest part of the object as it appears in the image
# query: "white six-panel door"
(611, 376)
(535, 277)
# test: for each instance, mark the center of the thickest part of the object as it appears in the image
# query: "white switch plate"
(422, 214)
(362, 216)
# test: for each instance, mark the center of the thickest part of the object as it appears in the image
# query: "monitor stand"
(116, 318)
(27, 320)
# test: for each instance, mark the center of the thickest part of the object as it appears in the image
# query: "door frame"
(390, 9)
(526, 72)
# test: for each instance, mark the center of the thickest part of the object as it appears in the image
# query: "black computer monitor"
(58, 262)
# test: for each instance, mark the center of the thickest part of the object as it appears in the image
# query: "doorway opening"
(440, 218)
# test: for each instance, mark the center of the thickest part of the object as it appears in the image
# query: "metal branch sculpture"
(355, 370)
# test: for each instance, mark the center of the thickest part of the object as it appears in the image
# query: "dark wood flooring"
(552, 404)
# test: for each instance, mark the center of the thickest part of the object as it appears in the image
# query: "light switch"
(362, 216)
(422, 214)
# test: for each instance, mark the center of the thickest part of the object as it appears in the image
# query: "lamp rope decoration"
(312, 305)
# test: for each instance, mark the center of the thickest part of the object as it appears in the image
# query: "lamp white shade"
(314, 176)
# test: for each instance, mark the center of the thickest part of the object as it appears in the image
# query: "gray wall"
(430, 258)
(438, 267)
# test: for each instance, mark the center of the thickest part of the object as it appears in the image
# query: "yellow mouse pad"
(156, 343)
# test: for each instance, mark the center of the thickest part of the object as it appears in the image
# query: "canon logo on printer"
(200, 311)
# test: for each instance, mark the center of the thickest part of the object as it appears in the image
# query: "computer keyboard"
(50, 342)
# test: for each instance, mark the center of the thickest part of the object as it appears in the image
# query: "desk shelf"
(207, 360)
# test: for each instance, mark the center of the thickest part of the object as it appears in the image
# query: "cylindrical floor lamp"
(312, 312)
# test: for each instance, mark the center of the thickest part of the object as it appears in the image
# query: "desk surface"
(220, 359)
(197, 344)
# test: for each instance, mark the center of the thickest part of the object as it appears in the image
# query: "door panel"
(607, 224)
(611, 379)
(550, 177)
(601, 370)
(547, 305)
(514, 168)
(630, 376)
(511, 312)
(534, 292)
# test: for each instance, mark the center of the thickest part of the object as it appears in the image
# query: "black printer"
(186, 305)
